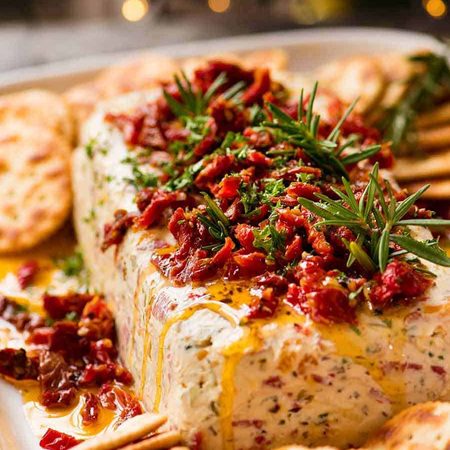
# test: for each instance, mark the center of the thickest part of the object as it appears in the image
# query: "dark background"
(38, 31)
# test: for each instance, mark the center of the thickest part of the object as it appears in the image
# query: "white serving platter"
(306, 49)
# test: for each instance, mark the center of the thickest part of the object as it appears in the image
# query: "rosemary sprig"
(377, 222)
(325, 153)
(215, 221)
(398, 121)
(194, 102)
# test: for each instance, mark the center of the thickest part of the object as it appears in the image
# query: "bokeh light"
(435, 8)
(134, 10)
(219, 6)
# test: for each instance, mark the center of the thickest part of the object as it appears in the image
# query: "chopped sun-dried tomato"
(26, 273)
(16, 364)
(114, 232)
(399, 281)
(58, 306)
(56, 440)
(231, 173)
(160, 201)
(17, 315)
(217, 167)
(91, 408)
(117, 399)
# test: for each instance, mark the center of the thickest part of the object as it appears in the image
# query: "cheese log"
(230, 383)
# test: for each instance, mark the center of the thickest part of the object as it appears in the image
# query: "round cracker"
(35, 185)
(354, 77)
(82, 100)
(38, 107)
(135, 428)
(423, 426)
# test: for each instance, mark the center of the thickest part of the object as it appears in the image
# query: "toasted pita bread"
(432, 166)
(425, 426)
(434, 138)
(439, 189)
(438, 116)
(354, 77)
(35, 184)
(38, 107)
(133, 429)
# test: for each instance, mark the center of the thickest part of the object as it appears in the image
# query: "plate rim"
(21, 78)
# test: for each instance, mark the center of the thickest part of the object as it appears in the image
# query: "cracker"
(433, 138)
(140, 73)
(157, 442)
(82, 100)
(35, 185)
(424, 426)
(38, 107)
(433, 166)
(354, 77)
(438, 116)
(133, 429)
(301, 447)
(439, 189)
(274, 59)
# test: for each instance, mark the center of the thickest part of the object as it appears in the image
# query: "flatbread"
(350, 78)
(35, 184)
(432, 166)
(38, 107)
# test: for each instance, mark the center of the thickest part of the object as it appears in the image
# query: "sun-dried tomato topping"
(17, 315)
(27, 273)
(159, 202)
(59, 306)
(117, 399)
(16, 364)
(235, 172)
(77, 350)
(56, 380)
(91, 408)
(399, 281)
(56, 440)
(96, 321)
(115, 231)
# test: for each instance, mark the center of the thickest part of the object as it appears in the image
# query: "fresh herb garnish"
(398, 121)
(269, 239)
(139, 179)
(325, 153)
(377, 223)
(193, 102)
(71, 265)
(215, 220)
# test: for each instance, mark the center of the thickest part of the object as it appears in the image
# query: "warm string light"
(435, 8)
(134, 10)
(219, 6)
